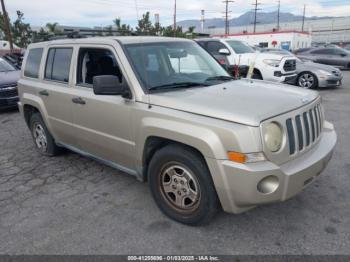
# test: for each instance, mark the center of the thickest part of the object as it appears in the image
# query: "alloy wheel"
(306, 81)
(40, 136)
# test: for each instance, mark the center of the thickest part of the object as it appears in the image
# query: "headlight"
(272, 62)
(323, 72)
(273, 137)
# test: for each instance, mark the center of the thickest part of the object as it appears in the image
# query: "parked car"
(9, 75)
(163, 110)
(14, 59)
(347, 47)
(337, 56)
(271, 67)
(312, 75)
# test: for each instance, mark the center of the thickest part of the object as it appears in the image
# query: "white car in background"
(271, 67)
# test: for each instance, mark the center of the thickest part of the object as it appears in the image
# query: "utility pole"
(7, 25)
(175, 27)
(256, 5)
(302, 26)
(278, 15)
(227, 22)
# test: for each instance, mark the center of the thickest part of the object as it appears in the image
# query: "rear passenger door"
(55, 92)
(103, 121)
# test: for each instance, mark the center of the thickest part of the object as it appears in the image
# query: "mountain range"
(247, 19)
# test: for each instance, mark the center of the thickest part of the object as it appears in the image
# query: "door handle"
(44, 93)
(78, 100)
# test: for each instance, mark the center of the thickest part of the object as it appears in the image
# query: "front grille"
(9, 91)
(290, 65)
(304, 129)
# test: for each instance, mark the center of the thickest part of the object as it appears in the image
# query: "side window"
(96, 62)
(214, 47)
(32, 66)
(321, 52)
(58, 64)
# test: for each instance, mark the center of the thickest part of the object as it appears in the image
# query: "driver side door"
(103, 121)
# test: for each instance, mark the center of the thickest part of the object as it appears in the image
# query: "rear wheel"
(43, 140)
(307, 80)
(181, 185)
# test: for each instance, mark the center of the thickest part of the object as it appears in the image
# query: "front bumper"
(329, 81)
(237, 184)
(8, 102)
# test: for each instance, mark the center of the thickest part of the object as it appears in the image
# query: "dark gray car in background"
(334, 56)
(312, 75)
(9, 75)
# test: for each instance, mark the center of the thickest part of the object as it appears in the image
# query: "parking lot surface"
(73, 205)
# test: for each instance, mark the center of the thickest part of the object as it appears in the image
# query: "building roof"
(266, 33)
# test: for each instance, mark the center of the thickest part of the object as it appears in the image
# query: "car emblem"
(304, 100)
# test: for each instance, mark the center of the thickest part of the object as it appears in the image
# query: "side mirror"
(110, 85)
(224, 51)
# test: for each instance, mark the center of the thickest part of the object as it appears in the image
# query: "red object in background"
(274, 43)
(222, 61)
(235, 71)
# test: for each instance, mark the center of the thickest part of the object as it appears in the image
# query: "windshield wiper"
(177, 85)
(222, 78)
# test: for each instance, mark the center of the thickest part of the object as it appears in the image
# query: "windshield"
(5, 66)
(240, 47)
(170, 65)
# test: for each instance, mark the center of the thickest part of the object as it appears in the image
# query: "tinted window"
(240, 47)
(32, 66)
(214, 47)
(322, 52)
(58, 64)
(5, 66)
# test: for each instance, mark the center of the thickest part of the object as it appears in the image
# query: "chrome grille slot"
(290, 131)
(307, 128)
(300, 132)
(303, 129)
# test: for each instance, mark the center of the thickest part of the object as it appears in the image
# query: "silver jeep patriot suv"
(163, 110)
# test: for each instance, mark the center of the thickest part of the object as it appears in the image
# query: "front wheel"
(181, 185)
(307, 80)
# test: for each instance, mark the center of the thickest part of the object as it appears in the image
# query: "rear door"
(54, 91)
(103, 122)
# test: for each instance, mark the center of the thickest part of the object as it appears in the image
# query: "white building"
(5, 48)
(326, 30)
(289, 40)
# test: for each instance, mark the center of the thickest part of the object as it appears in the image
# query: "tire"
(43, 140)
(257, 75)
(182, 186)
(307, 80)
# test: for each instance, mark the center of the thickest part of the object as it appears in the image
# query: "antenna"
(278, 15)
(227, 23)
(256, 9)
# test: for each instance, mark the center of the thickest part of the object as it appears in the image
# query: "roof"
(104, 40)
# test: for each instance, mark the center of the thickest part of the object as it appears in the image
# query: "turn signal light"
(237, 157)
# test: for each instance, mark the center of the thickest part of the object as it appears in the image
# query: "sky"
(102, 12)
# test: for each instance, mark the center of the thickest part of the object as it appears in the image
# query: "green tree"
(53, 28)
(145, 25)
(22, 32)
(123, 29)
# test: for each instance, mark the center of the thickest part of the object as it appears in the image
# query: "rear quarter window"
(32, 66)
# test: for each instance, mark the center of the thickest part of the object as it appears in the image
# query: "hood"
(244, 101)
(312, 65)
(9, 77)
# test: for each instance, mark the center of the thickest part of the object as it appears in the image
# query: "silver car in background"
(313, 75)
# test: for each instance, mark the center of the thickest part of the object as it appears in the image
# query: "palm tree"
(52, 27)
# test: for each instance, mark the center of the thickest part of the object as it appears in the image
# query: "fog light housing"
(268, 185)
